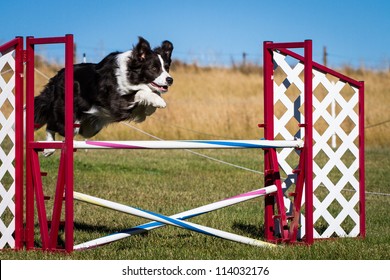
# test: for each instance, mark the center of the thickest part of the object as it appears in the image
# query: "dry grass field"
(211, 103)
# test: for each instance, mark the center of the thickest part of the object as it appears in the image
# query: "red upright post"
(69, 130)
(269, 200)
(362, 176)
(308, 145)
(19, 144)
(29, 235)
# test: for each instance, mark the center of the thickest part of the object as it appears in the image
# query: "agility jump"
(293, 212)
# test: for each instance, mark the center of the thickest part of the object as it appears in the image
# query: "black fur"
(96, 86)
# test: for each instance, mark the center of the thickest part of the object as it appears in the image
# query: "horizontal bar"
(48, 40)
(170, 220)
(184, 144)
(322, 68)
(47, 145)
(292, 45)
(182, 216)
(9, 45)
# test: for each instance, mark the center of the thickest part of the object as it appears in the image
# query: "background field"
(210, 103)
(228, 103)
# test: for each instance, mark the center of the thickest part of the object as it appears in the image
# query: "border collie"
(123, 86)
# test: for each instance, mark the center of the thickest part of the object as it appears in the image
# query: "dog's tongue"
(162, 89)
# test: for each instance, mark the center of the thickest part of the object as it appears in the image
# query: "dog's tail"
(41, 110)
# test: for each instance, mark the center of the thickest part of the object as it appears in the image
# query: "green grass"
(169, 182)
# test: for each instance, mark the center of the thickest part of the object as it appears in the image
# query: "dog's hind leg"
(76, 130)
(50, 136)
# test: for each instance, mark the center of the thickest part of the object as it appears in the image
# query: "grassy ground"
(174, 181)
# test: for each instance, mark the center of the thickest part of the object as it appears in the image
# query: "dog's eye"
(154, 68)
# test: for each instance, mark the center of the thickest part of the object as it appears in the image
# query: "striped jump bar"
(189, 144)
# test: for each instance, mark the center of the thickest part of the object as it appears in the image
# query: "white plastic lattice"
(335, 145)
(7, 151)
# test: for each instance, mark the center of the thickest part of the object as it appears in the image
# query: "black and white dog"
(123, 86)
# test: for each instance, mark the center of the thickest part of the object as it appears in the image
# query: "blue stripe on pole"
(148, 226)
(234, 144)
(177, 222)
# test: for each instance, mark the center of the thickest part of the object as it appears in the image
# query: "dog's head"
(151, 67)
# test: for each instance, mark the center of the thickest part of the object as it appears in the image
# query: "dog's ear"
(165, 51)
(142, 49)
(167, 48)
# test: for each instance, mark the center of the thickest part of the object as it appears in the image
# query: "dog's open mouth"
(158, 88)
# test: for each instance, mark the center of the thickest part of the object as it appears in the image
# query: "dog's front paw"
(159, 102)
(149, 98)
(48, 152)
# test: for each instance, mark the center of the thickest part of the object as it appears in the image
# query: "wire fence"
(213, 135)
(211, 57)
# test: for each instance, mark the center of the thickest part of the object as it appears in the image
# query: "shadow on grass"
(250, 230)
(82, 227)
(109, 230)
(94, 228)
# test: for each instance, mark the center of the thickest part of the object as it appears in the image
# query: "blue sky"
(210, 32)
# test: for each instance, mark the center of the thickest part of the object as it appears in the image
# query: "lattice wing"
(335, 168)
(7, 151)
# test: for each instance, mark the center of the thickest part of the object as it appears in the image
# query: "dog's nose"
(169, 81)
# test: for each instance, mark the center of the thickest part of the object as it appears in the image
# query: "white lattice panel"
(7, 151)
(335, 169)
